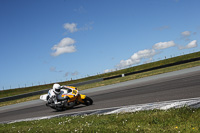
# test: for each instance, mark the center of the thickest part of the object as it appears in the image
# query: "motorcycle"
(68, 98)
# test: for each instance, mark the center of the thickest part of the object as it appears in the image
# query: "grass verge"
(117, 80)
(173, 120)
(19, 100)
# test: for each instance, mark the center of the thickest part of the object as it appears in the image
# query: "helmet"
(56, 88)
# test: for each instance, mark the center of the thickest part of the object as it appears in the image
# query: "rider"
(55, 96)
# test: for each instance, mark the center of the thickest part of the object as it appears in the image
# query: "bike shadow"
(76, 107)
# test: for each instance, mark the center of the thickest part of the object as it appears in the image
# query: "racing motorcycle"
(68, 98)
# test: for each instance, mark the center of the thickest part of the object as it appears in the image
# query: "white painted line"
(159, 105)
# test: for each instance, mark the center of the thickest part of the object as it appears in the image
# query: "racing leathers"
(57, 100)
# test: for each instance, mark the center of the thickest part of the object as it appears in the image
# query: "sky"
(48, 41)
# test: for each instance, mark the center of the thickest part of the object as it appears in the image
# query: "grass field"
(17, 91)
(153, 121)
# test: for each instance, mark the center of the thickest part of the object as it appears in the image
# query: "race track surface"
(170, 86)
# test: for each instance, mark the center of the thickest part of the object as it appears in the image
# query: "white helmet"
(56, 88)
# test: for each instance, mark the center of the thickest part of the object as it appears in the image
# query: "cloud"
(143, 54)
(71, 27)
(192, 44)
(107, 70)
(148, 54)
(185, 34)
(125, 63)
(66, 45)
(137, 57)
(163, 45)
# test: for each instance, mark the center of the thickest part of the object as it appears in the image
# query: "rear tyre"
(88, 101)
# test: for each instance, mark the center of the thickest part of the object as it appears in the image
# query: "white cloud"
(164, 45)
(186, 33)
(192, 44)
(71, 27)
(108, 70)
(143, 54)
(137, 57)
(66, 45)
(129, 62)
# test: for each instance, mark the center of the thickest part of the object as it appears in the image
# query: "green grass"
(17, 91)
(19, 100)
(152, 121)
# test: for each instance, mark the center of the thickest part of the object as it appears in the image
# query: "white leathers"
(57, 97)
(57, 92)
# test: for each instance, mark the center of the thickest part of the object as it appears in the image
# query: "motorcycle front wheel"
(88, 101)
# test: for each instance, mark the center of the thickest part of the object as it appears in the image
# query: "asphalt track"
(164, 87)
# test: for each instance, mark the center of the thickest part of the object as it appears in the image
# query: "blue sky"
(45, 41)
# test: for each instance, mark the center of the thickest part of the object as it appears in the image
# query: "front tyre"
(88, 101)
